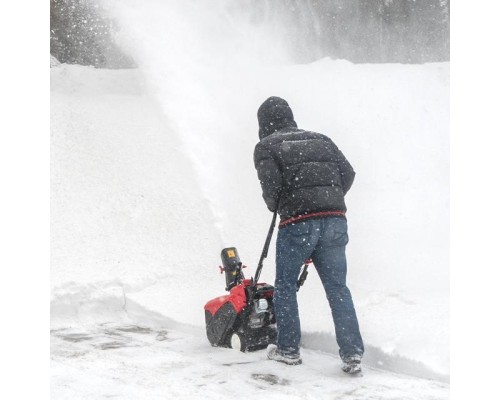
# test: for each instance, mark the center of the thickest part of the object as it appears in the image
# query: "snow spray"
(203, 61)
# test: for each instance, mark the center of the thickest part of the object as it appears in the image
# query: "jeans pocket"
(341, 238)
(299, 233)
(337, 232)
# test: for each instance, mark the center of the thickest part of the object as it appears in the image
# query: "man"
(305, 177)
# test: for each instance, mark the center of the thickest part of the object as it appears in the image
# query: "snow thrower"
(244, 319)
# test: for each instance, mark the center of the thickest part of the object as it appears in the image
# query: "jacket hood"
(274, 114)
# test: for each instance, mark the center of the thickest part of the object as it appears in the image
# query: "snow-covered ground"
(143, 355)
(152, 175)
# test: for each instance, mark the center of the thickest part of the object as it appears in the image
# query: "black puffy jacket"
(306, 168)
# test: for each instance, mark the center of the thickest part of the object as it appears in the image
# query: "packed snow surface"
(143, 355)
(152, 175)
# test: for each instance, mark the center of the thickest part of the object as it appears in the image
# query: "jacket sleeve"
(269, 175)
(346, 171)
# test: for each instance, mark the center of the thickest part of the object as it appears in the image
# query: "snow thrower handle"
(264, 252)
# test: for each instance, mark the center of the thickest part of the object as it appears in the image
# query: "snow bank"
(125, 201)
(54, 62)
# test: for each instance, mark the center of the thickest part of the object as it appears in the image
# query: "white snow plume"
(204, 61)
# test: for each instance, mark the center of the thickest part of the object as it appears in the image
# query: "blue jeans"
(324, 241)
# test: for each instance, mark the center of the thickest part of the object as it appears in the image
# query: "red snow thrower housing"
(244, 319)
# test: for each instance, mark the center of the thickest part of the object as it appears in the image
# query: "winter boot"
(290, 359)
(352, 365)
